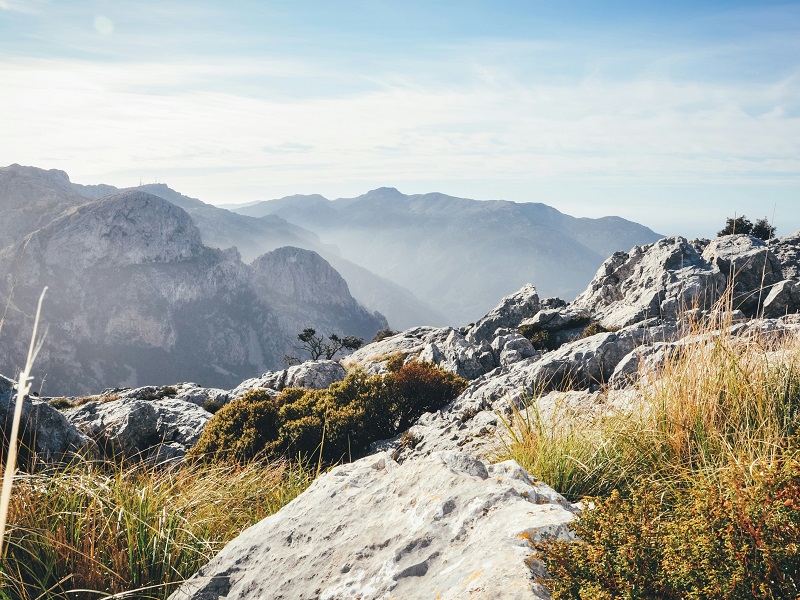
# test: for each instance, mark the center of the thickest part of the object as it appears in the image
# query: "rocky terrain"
(30, 198)
(428, 514)
(253, 237)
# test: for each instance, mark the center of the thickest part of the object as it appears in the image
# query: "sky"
(673, 114)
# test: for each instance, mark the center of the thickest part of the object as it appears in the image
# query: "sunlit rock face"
(136, 298)
(445, 526)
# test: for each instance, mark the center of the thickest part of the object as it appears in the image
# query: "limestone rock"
(510, 348)
(782, 299)
(153, 430)
(748, 263)
(202, 396)
(313, 375)
(657, 280)
(557, 319)
(445, 526)
(787, 251)
(42, 428)
(443, 346)
(511, 311)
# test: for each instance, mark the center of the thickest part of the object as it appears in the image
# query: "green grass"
(694, 491)
(133, 530)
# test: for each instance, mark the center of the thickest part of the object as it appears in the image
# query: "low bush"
(733, 534)
(241, 429)
(330, 425)
(541, 339)
(382, 335)
(594, 328)
(696, 487)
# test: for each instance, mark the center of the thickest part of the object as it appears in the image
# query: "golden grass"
(721, 399)
(136, 531)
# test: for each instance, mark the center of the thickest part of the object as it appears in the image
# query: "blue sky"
(673, 114)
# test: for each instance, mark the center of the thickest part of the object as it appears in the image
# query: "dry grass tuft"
(138, 530)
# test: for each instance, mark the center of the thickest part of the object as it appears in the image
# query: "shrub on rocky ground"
(734, 534)
(241, 429)
(696, 488)
(334, 424)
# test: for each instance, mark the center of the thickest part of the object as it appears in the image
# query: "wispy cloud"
(646, 127)
(502, 114)
(28, 7)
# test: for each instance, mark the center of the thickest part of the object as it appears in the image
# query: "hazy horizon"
(674, 116)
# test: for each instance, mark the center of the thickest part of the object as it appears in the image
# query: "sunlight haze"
(674, 116)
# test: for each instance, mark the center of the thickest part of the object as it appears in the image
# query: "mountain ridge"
(456, 253)
(136, 296)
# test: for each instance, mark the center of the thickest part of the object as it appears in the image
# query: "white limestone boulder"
(445, 526)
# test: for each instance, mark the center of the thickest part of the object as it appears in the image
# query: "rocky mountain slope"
(428, 513)
(253, 237)
(32, 197)
(459, 254)
(135, 296)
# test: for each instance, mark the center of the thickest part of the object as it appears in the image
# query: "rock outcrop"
(511, 311)
(313, 374)
(44, 431)
(445, 526)
(155, 431)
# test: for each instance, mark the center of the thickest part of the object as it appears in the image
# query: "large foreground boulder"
(444, 526)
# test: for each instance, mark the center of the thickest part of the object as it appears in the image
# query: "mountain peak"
(385, 193)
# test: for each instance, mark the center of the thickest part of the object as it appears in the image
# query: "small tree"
(762, 229)
(318, 348)
(383, 334)
(736, 225)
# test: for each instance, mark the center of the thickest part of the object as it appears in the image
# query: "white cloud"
(156, 119)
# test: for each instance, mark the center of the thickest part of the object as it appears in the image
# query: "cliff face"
(135, 296)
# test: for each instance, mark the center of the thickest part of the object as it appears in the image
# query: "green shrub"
(212, 405)
(395, 361)
(60, 403)
(594, 328)
(334, 424)
(242, 429)
(540, 338)
(735, 535)
(383, 334)
(420, 387)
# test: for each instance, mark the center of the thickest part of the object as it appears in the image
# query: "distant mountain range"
(135, 296)
(145, 285)
(456, 254)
